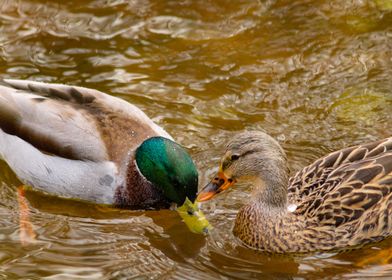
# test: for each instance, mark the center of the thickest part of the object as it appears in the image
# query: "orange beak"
(217, 185)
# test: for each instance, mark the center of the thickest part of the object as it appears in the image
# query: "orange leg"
(26, 234)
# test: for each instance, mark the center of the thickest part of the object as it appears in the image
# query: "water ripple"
(313, 74)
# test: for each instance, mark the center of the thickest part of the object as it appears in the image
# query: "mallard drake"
(343, 199)
(80, 143)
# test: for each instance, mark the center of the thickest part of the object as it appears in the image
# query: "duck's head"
(169, 168)
(252, 156)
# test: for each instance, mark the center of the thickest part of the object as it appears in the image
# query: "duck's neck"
(263, 219)
(270, 190)
(137, 192)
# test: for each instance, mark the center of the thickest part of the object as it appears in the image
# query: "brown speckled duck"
(80, 143)
(343, 199)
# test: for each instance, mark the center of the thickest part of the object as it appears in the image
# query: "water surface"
(314, 74)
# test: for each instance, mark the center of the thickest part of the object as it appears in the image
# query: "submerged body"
(343, 199)
(80, 143)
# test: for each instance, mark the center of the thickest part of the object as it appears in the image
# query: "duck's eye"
(235, 157)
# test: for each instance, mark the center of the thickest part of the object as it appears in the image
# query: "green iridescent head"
(169, 167)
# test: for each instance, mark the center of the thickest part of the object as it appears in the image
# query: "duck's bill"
(217, 185)
(194, 218)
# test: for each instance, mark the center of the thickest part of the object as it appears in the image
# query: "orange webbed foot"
(26, 233)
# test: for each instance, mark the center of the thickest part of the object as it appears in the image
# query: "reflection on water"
(314, 74)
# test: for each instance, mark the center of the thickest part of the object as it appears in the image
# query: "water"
(314, 74)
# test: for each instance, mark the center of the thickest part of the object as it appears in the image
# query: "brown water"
(314, 74)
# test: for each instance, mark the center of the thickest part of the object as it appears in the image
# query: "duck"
(80, 143)
(342, 200)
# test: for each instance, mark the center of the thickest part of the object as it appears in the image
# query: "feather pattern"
(49, 116)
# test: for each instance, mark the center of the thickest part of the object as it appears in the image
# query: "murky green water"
(314, 74)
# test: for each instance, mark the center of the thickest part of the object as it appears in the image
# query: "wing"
(73, 122)
(305, 181)
(355, 183)
(85, 180)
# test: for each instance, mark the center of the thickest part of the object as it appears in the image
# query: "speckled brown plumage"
(343, 199)
(141, 194)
